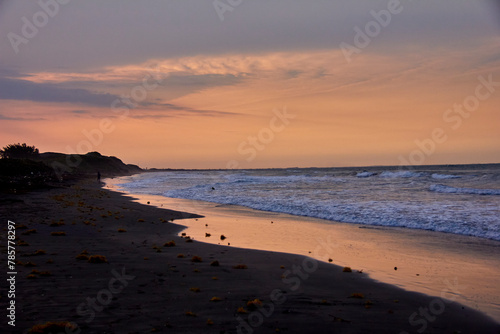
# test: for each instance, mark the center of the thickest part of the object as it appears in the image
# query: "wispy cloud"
(8, 118)
(180, 111)
(19, 89)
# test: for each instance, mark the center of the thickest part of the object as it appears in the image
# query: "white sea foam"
(402, 173)
(377, 197)
(366, 174)
(444, 176)
(470, 191)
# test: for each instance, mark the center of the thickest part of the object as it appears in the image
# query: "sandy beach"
(428, 262)
(152, 280)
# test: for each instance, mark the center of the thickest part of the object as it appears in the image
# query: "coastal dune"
(98, 260)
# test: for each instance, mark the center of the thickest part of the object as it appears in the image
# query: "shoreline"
(162, 292)
(427, 261)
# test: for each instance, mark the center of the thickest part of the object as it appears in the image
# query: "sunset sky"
(253, 83)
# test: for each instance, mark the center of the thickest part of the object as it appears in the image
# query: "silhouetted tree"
(19, 151)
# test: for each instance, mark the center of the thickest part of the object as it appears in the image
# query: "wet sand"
(146, 286)
(428, 262)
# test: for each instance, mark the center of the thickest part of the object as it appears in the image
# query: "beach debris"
(183, 234)
(180, 256)
(282, 267)
(97, 259)
(209, 322)
(360, 271)
(338, 319)
(58, 234)
(395, 268)
(215, 263)
(206, 225)
(148, 202)
(82, 257)
(347, 270)
(39, 252)
(194, 289)
(52, 327)
(368, 304)
(197, 271)
(207, 235)
(140, 220)
(49, 261)
(222, 237)
(272, 222)
(215, 278)
(254, 304)
(241, 310)
(357, 295)
(196, 259)
(31, 276)
(215, 299)
(190, 314)
(171, 243)
(121, 230)
(240, 266)
(330, 260)
(188, 239)
(28, 232)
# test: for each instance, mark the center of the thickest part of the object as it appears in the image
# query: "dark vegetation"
(23, 168)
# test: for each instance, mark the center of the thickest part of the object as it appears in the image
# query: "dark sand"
(159, 292)
(428, 262)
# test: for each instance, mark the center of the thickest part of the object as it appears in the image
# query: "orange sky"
(220, 110)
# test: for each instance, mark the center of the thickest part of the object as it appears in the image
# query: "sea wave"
(415, 199)
(470, 191)
(365, 174)
(402, 173)
(378, 213)
(444, 176)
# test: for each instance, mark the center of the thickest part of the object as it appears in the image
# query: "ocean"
(458, 199)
